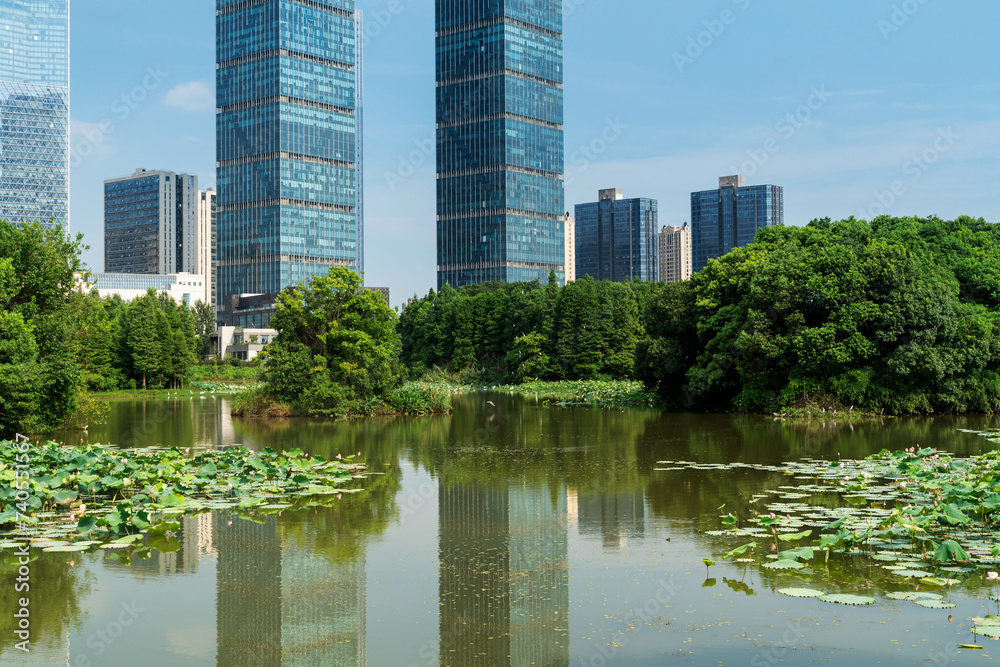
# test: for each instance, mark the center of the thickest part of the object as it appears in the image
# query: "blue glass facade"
(500, 152)
(151, 223)
(34, 111)
(289, 143)
(729, 218)
(616, 239)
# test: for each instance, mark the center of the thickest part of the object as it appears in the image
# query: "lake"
(509, 533)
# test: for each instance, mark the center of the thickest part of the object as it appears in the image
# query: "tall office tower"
(504, 582)
(151, 223)
(675, 254)
(616, 238)
(729, 217)
(359, 138)
(206, 243)
(500, 200)
(34, 112)
(570, 249)
(288, 145)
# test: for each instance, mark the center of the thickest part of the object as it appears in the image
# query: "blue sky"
(851, 106)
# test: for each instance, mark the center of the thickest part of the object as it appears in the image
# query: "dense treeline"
(147, 343)
(513, 332)
(896, 315)
(56, 342)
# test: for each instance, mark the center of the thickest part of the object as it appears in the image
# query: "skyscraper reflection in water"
(282, 603)
(504, 583)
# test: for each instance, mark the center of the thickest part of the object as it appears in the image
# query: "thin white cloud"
(193, 97)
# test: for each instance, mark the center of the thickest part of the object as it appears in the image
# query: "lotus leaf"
(800, 592)
(851, 600)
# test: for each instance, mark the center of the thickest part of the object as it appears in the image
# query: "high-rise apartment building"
(288, 135)
(151, 223)
(675, 254)
(616, 238)
(34, 111)
(206, 243)
(500, 200)
(570, 249)
(729, 217)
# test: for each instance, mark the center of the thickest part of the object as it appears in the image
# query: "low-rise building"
(242, 344)
(186, 288)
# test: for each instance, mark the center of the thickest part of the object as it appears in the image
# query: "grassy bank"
(186, 392)
(411, 399)
(617, 394)
(604, 393)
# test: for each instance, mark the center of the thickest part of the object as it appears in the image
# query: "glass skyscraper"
(34, 111)
(289, 146)
(729, 217)
(500, 154)
(616, 238)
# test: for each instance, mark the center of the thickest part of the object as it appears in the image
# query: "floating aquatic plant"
(850, 600)
(801, 592)
(54, 491)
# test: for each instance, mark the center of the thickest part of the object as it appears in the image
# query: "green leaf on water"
(850, 600)
(784, 565)
(86, 524)
(801, 592)
(936, 604)
(911, 574)
(793, 537)
(739, 551)
(951, 551)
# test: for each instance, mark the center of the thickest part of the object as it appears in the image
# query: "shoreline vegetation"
(896, 316)
(848, 319)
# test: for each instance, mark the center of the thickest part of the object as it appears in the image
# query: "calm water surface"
(505, 534)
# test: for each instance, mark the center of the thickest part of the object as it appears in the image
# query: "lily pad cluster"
(54, 494)
(914, 520)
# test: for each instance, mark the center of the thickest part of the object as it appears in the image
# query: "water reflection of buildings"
(285, 604)
(196, 536)
(615, 517)
(504, 583)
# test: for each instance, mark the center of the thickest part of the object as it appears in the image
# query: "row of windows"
(289, 230)
(500, 238)
(288, 179)
(283, 127)
(500, 47)
(499, 94)
(546, 14)
(288, 76)
(526, 192)
(497, 143)
(267, 277)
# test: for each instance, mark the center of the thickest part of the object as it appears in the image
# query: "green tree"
(898, 315)
(143, 333)
(40, 378)
(204, 327)
(337, 346)
(527, 360)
